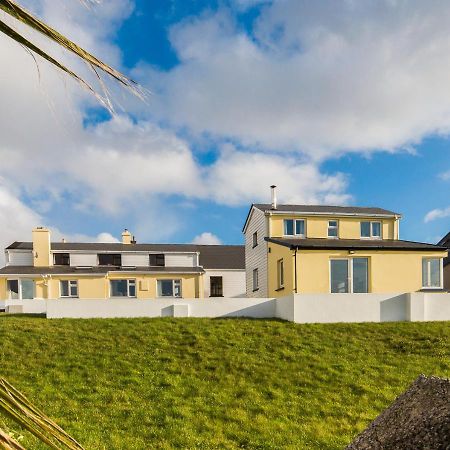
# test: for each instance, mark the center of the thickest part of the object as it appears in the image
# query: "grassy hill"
(201, 383)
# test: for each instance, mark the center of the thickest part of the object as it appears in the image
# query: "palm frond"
(18, 408)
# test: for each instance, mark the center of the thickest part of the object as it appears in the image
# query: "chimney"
(273, 190)
(126, 237)
(41, 247)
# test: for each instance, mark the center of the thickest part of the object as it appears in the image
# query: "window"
(255, 280)
(21, 289)
(431, 273)
(68, 288)
(294, 227)
(255, 239)
(280, 273)
(216, 287)
(349, 275)
(61, 259)
(332, 228)
(109, 259)
(123, 288)
(169, 288)
(157, 259)
(371, 230)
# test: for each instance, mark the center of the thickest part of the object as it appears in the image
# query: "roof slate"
(355, 244)
(211, 256)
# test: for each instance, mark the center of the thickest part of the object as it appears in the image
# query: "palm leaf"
(18, 408)
(21, 14)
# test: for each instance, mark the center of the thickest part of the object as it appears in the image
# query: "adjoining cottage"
(47, 270)
(309, 249)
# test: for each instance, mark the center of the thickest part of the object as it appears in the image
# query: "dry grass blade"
(16, 406)
(19, 13)
(8, 443)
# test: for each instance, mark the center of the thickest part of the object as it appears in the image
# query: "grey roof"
(325, 209)
(97, 270)
(418, 419)
(353, 244)
(211, 256)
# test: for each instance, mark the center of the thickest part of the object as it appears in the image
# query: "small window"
(61, 259)
(216, 287)
(123, 288)
(109, 259)
(255, 239)
(157, 260)
(68, 288)
(332, 228)
(294, 227)
(255, 280)
(280, 273)
(431, 273)
(169, 288)
(371, 230)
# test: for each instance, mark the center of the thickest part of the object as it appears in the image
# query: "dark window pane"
(339, 275)
(119, 288)
(74, 289)
(157, 260)
(27, 289)
(216, 287)
(289, 227)
(13, 288)
(376, 229)
(109, 259)
(64, 288)
(165, 288)
(300, 227)
(132, 288)
(360, 275)
(365, 229)
(61, 259)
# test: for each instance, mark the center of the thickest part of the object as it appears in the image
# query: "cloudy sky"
(335, 102)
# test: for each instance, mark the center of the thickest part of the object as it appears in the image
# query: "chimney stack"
(126, 237)
(41, 247)
(273, 190)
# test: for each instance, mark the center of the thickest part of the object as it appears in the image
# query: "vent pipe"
(273, 190)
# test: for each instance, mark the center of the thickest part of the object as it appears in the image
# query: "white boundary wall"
(300, 308)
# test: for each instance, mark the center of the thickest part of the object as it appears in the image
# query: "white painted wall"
(83, 259)
(233, 282)
(285, 308)
(256, 257)
(135, 259)
(226, 307)
(436, 306)
(180, 260)
(36, 306)
(20, 258)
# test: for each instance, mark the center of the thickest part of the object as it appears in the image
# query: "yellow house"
(47, 270)
(334, 249)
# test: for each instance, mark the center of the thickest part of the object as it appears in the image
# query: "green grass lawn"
(202, 383)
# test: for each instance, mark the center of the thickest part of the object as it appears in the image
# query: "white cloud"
(437, 214)
(319, 79)
(206, 238)
(445, 175)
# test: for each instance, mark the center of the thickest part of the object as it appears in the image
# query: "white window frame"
(330, 227)
(280, 273)
(441, 273)
(294, 224)
(255, 279)
(350, 275)
(129, 281)
(173, 280)
(71, 283)
(19, 281)
(371, 222)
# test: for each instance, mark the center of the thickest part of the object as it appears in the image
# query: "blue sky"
(336, 104)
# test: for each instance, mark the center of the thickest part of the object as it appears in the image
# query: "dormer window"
(294, 227)
(371, 230)
(61, 259)
(157, 260)
(333, 229)
(109, 259)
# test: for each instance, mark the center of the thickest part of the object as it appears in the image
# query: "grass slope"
(201, 383)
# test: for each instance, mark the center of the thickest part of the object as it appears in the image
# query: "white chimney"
(273, 190)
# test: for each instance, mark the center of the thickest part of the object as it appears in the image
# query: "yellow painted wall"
(276, 253)
(98, 287)
(389, 271)
(41, 247)
(317, 226)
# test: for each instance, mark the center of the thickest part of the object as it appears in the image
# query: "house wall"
(19, 258)
(277, 252)
(83, 259)
(233, 282)
(447, 277)
(389, 271)
(256, 257)
(41, 247)
(317, 226)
